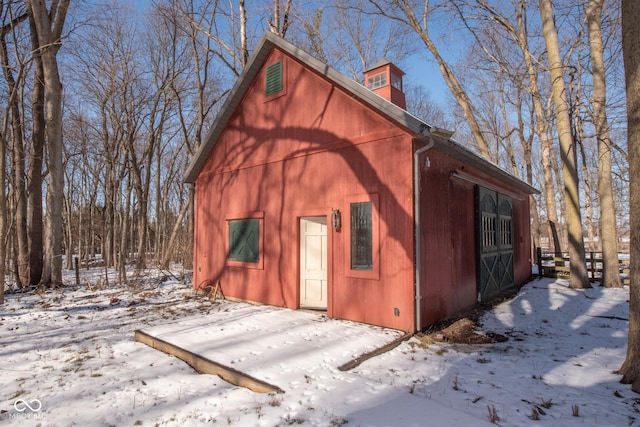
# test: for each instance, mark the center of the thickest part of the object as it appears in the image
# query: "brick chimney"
(385, 79)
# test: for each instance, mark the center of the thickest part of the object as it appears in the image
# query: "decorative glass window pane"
(488, 231)
(361, 236)
(377, 81)
(244, 240)
(396, 82)
(505, 232)
(505, 210)
(274, 78)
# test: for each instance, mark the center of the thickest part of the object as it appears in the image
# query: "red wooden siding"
(448, 237)
(314, 147)
(306, 152)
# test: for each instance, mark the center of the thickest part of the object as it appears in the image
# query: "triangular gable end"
(289, 110)
(422, 131)
(255, 65)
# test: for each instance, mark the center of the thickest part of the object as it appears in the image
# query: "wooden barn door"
(313, 262)
(495, 243)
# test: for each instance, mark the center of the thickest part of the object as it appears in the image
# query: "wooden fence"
(550, 265)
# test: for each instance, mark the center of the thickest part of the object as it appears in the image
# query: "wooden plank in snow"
(204, 365)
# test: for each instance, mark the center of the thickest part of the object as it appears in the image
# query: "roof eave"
(454, 149)
(234, 97)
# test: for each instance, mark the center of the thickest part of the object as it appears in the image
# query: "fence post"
(539, 261)
(77, 265)
(592, 268)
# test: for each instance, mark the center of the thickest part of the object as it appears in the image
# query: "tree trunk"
(124, 234)
(526, 142)
(578, 268)
(68, 233)
(166, 259)
(588, 199)
(460, 95)
(3, 215)
(187, 263)
(55, 189)
(540, 128)
(108, 221)
(630, 369)
(608, 226)
(36, 152)
(18, 168)
(244, 49)
(158, 240)
(49, 27)
(578, 138)
(143, 224)
(281, 20)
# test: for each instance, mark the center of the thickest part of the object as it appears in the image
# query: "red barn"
(313, 191)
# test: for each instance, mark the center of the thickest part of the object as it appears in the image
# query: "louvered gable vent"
(274, 78)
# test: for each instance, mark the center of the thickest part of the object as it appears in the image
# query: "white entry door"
(313, 262)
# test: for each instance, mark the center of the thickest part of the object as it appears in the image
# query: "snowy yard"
(69, 358)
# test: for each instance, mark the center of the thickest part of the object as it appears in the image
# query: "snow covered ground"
(68, 357)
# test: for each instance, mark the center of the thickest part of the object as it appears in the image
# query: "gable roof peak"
(261, 52)
(421, 130)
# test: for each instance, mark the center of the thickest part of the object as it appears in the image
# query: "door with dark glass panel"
(494, 234)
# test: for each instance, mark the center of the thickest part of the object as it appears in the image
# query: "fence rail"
(550, 265)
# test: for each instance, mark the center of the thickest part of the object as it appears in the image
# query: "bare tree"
(49, 25)
(281, 20)
(608, 227)
(421, 104)
(405, 12)
(15, 83)
(312, 27)
(203, 43)
(3, 212)
(358, 37)
(630, 369)
(578, 268)
(36, 158)
(495, 28)
(218, 24)
(130, 89)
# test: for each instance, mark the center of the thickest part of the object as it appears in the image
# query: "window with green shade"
(274, 78)
(361, 236)
(244, 240)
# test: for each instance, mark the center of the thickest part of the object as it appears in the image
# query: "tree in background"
(15, 74)
(3, 217)
(501, 34)
(578, 277)
(417, 19)
(630, 369)
(36, 158)
(608, 228)
(49, 25)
